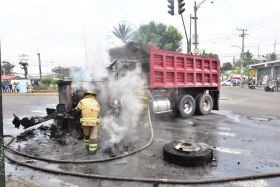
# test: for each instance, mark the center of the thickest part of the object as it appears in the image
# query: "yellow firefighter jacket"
(90, 109)
(143, 95)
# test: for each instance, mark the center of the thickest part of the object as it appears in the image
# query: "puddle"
(229, 114)
(259, 118)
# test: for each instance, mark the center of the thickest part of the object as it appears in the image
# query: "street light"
(23, 58)
(195, 24)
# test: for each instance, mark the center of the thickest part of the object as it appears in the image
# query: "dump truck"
(183, 84)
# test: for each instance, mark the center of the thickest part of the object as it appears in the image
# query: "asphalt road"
(244, 135)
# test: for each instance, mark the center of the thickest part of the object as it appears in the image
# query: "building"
(270, 69)
(9, 78)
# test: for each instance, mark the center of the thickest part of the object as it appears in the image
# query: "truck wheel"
(196, 111)
(184, 153)
(204, 104)
(186, 106)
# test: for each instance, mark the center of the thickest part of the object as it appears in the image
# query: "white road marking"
(63, 183)
(258, 182)
(224, 128)
(38, 111)
(233, 151)
(226, 134)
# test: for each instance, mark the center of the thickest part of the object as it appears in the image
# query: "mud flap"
(215, 94)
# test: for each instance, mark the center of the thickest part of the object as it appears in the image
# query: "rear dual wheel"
(203, 104)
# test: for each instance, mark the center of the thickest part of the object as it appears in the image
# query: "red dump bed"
(171, 69)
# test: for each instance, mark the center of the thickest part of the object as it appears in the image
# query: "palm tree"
(123, 32)
(272, 56)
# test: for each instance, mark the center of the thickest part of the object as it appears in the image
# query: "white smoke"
(123, 125)
(124, 90)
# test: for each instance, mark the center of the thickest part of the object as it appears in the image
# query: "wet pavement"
(244, 144)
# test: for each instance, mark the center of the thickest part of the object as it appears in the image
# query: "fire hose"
(131, 179)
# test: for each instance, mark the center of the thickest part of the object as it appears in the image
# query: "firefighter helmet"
(90, 92)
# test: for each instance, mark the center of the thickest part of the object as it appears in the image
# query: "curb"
(29, 94)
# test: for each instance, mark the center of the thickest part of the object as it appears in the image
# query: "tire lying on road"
(203, 104)
(185, 153)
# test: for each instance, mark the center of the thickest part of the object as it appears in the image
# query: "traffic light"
(181, 5)
(171, 7)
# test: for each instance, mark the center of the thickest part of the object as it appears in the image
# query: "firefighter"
(90, 109)
(143, 94)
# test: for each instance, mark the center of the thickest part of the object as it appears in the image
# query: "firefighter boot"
(86, 141)
(92, 146)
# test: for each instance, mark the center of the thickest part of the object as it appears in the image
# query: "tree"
(47, 81)
(248, 56)
(272, 56)
(226, 66)
(58, 70)
(7, 67)
(123, 32)
(159, 36)
(211, 55)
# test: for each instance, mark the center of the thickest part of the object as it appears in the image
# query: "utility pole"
(242, 53)
(52, 69)
(233, 62)
(190, 40)
(195, 26)
(2, 161)
(40, 66)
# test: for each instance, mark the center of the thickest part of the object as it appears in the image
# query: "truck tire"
(204, 104)
(200, 157)
(186, 106)
(196, 99)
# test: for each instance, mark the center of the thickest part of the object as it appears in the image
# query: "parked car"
(226, 83)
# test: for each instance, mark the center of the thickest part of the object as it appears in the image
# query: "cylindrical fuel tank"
(161, 105)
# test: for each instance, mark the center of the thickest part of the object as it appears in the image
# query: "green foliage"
(47, 81)
(248, 56)
(226, 66)
(45, 87)
(272, 57)
(123, 32)
(54, 81)
(8, 67)
(211, 55)
(47, 84)
(159, 36)
(57, 70)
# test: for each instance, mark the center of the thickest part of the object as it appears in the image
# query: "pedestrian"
(27, 85)
(267, 84)
(14, 87)
(259, 83)
(6, 87)
(3, 87)
(18, 87)
(242, 82)
(30, 88)
(10, 87)
(90, 109)
(277, 84)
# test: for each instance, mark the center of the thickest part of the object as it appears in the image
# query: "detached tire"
(186, 105)
(193, 158)
(203, 104)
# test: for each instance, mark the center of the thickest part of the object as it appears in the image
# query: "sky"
(64, 32)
